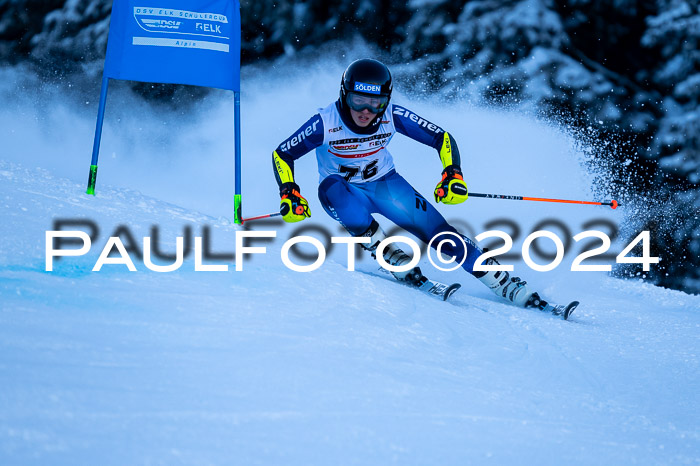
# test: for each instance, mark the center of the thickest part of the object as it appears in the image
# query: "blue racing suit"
(357, 175)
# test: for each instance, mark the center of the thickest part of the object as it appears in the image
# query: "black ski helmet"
(368, 77)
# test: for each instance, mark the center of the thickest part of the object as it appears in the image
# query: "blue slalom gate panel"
(176, 41)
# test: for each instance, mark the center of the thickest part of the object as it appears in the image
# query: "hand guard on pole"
(451, 189)
(293, 206)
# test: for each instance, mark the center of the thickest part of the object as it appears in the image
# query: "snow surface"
(270, 366)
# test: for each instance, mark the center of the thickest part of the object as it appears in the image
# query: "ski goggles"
(360, 102)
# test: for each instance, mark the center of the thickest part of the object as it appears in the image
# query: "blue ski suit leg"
(352, 204)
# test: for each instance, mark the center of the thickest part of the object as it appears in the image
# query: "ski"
(424, 284)
(434, 288)
(561, 310)
(565, 311)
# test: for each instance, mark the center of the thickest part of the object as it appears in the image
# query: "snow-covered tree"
(675, 33)
(20, 20)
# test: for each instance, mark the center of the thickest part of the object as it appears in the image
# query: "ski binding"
(422, 283)
(556, 309)
(432, 287)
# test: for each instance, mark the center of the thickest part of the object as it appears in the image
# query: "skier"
(357, 176)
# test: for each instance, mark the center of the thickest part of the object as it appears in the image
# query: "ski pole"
(614, 204)
(274, 214)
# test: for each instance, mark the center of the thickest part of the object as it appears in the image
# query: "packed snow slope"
(271, 366)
